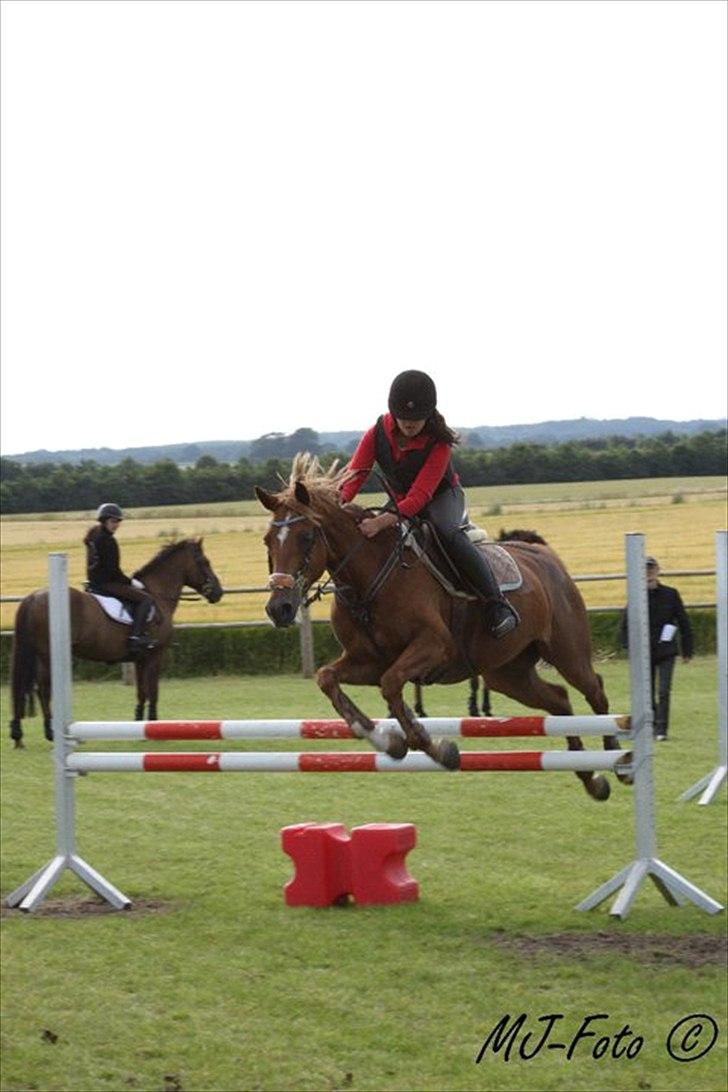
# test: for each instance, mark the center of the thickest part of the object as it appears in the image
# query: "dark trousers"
(139, 602)
(446, 513)
(661, 684)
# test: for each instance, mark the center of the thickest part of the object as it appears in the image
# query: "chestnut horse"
(95, 636)
(517, 535)
(395, 621)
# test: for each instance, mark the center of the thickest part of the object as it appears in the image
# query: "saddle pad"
(504, 567)
(114, 608)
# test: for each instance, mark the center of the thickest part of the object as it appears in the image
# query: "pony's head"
(295, 539)
(187, 558)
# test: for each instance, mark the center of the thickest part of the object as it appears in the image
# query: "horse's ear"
(301, 494)
(268, 500)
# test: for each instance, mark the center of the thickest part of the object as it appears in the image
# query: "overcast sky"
(226, 219)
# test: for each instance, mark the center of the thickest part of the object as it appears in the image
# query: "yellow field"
(585, 523)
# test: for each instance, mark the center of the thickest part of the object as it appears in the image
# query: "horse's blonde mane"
(322, 485)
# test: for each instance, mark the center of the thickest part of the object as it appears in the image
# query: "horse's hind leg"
(44, 695)
(581, 675)
(518, 679)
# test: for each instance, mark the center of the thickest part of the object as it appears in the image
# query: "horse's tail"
(22, 672)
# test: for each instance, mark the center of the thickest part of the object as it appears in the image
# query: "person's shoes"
(137, 645)
(660, 737)
(503, 619)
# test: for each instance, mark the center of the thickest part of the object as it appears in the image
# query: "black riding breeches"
(447, 513)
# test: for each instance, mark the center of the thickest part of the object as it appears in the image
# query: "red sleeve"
(424, 486)
(359, 466)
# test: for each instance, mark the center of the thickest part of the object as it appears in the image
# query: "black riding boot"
(139, 641)
(474, 567)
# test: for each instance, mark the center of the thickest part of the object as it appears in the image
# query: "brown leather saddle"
(425, 543)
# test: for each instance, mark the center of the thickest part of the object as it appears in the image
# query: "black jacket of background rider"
(102, 558)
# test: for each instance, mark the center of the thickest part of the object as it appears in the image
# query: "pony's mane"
(165, 553)
(322, 485)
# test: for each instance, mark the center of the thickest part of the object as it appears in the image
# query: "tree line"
(64, 487)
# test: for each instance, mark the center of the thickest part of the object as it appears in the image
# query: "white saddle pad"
(114, 608)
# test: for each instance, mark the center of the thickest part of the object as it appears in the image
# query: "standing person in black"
(106, 578)
(667, 618)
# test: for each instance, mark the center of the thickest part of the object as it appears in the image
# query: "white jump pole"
(674, 887)
(30, 894)
(713, 780)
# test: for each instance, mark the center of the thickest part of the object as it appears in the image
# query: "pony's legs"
(141, 689)
(360, 673)
(43, 677)
(152, 667)
(416, 661)
(518, 679)
(419, 706)
(585, 679)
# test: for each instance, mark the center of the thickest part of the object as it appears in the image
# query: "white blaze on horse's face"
(282, 535)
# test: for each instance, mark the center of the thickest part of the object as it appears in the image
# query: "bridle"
(285, 581)
(278, 581)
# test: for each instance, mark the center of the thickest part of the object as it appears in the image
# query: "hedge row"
(263, 650)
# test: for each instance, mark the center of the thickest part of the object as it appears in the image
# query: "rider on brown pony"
(412, 446)
(106, 578)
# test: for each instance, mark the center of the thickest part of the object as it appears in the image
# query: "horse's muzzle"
(282, 606)
(212, 591)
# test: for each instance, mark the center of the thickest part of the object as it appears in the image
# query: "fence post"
(712, 781)
(306, 643)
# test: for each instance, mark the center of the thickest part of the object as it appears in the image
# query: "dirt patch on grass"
(81, 906)
(654, 948)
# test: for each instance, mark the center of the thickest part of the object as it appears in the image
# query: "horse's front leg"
(141, 689)
(420, 657)
(360, 672)
(152, 668)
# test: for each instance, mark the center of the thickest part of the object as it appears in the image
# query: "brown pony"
(395, 621)
(517, 535)
(94, 636)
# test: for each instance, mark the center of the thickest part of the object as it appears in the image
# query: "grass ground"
(211, 983)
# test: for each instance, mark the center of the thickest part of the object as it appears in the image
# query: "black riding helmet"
(109, 511)
(412, 396)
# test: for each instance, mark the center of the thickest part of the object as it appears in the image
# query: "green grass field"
(211, 983)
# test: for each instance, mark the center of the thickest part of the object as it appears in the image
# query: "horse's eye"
(307, 539)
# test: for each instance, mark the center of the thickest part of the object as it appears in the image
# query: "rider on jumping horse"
(106, 578)
(412, 446)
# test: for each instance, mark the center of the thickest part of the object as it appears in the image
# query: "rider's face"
(111, 524)
(410, 428)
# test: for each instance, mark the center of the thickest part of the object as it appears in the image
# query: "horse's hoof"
(447, 754)
(397, 746)
(599, 788)
(19, 745)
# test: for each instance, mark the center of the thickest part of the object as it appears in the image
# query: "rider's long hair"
(438, 428)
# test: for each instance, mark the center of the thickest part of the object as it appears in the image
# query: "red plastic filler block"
(330, 866)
